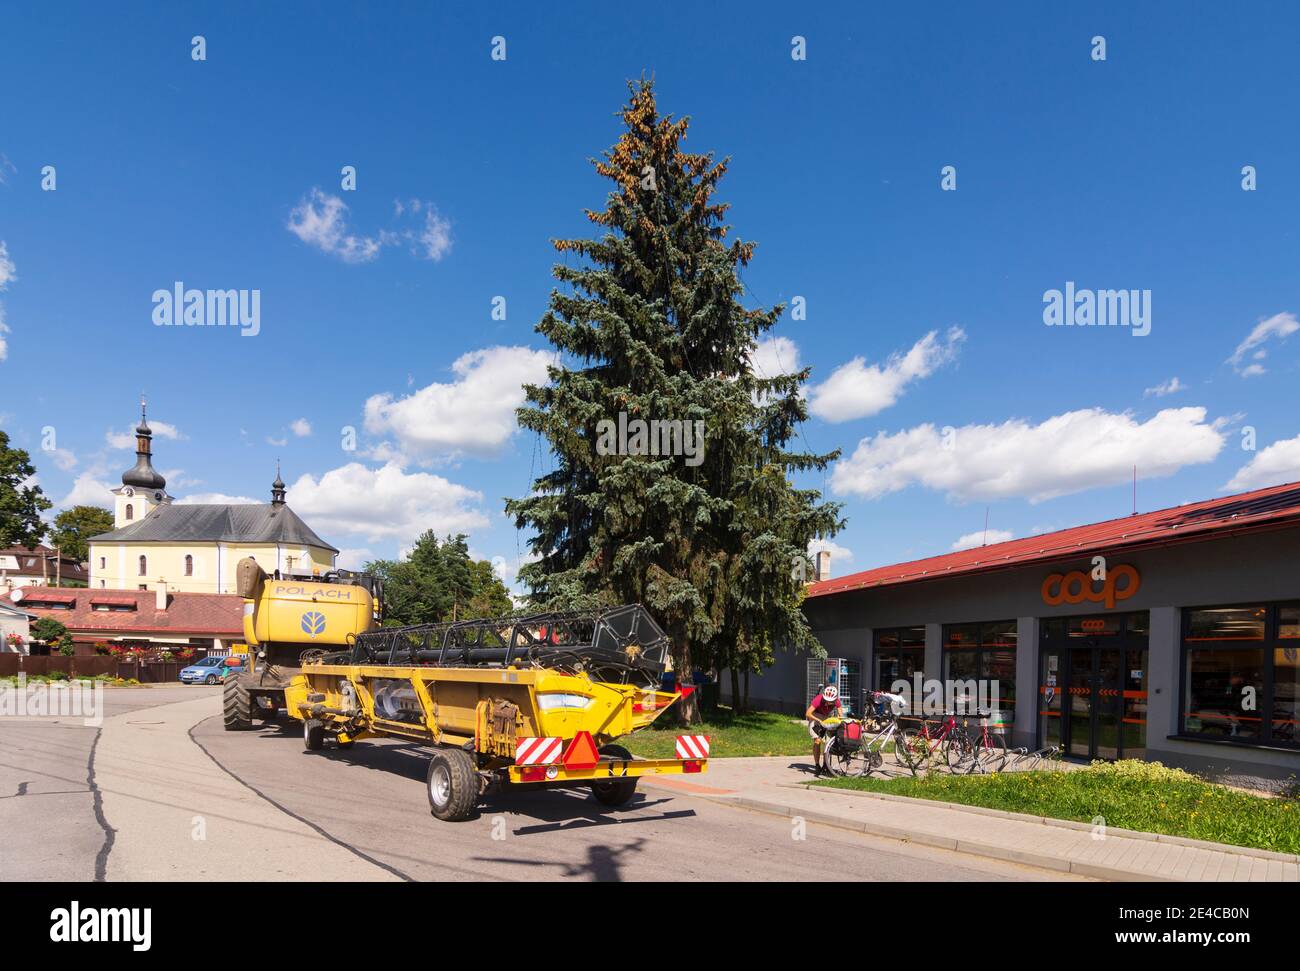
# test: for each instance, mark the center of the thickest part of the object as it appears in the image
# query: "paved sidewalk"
(773, 785)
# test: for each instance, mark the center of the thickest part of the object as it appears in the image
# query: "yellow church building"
(156, 543)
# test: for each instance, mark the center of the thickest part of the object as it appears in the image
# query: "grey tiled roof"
(196, 523)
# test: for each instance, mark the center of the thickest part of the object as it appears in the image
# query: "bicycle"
(985, 752)
(888, 708)
(844, 753)
(915, 748)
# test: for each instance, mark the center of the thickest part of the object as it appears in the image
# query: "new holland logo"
(313, 622)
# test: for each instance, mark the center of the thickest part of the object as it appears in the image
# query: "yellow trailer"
(507, 704)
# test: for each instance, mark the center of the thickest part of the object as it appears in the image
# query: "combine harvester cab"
(510, 703)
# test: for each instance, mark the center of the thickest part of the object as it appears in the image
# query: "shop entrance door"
(1093, 689)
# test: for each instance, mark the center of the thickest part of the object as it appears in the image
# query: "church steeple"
(277, 487)
(143, 475)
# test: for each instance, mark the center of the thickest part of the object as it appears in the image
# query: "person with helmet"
(825, 704)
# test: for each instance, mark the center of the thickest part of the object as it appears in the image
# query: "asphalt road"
(161, 791)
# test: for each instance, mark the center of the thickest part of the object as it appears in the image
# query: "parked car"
(211, 670)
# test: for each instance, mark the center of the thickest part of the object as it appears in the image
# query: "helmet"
(831, 693)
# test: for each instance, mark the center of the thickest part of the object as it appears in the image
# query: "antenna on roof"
(986, 527)
(1135, 490)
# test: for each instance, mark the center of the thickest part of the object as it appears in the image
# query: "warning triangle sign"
(581, 753)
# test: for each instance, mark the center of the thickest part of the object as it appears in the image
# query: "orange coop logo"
(1075, 587)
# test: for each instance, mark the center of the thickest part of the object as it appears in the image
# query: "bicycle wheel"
(958, 752)
(990, 753)
(910, 749)
(843, 761)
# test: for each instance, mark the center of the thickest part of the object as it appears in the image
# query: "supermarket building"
(1186, 654)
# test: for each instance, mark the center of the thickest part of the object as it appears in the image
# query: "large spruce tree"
(649, 322)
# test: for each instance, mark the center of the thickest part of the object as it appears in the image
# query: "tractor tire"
(236, 706)
(614, 792)
(313, 734)
(452, 785)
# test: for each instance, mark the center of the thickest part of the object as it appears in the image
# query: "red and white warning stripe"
(692, 746)
(538, 751)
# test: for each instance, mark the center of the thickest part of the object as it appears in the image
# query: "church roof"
(201, 523)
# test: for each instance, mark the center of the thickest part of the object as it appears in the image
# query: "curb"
(1061, 823)
(972, 847)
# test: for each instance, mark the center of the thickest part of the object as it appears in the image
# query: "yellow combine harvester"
(512, 703)
(285, 617)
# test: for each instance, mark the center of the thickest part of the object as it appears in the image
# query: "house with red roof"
(1171, 635)
(156, 619)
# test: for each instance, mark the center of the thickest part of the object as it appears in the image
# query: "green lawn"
(757, 733)
(1135, 795)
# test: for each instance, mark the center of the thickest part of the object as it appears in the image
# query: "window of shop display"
(984, 652)
(1241, 672)
(899, 655)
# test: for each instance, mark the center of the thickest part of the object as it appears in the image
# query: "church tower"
(143, 489)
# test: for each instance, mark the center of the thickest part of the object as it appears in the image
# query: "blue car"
(211, 670)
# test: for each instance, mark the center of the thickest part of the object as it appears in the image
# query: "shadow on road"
(603, 864)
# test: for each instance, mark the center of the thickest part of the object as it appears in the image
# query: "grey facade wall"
(1255, 567)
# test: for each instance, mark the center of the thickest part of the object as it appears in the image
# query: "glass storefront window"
(899, 655)
(911, 637)
(1093, 627)
(1286, 695)
(985, 652)
(1225, 692)
(961, 635)
(1226, 624)
(1240, 673)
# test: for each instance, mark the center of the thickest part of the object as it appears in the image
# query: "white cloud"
(64, 458)
(7, 276)
(983, 538)
(857, 390)
(8, 272)
(475, 414)
(321, 220)
(277, 442)
(435, 237)
(839, 554)
(353, 558)
(1278, 463)
(87, 490)
(1172, 386)
(300, 427)
(773, 356)
(1067, 453)
(216, 499)
(126, 440)
(1247, 359)
(384, 503)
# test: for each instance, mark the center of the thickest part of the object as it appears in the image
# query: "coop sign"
(1076, 587)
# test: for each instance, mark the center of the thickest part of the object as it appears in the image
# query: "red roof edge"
(1269, 508)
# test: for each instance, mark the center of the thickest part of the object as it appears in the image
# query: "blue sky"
(1123, 173)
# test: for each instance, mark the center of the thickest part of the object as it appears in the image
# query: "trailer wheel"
(453, 785)
(236, 709)
(313, 734)
(616, 791)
